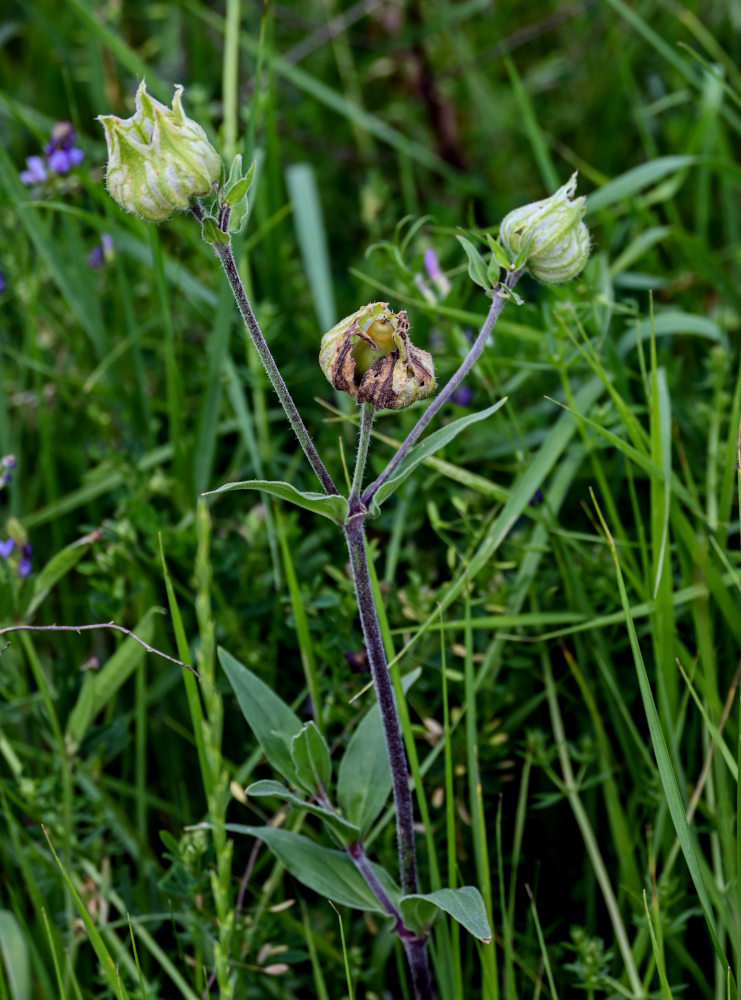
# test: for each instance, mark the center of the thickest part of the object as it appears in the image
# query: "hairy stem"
(499, 300)
(415, 945)
(355, 535)
(224, 252)
(366, 423)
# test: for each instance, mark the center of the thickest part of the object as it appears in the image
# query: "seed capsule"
(370, 356)
(552, 234)
(158, 159)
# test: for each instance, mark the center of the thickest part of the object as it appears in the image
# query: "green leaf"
(310, 756)
(670, 785)
(477, 270)
(333, 507)
(58, 567)
(633, 181)
(108, 966)
(345, 832)
(364, 779)
(101, 686)
(211, 233)
(270, 719)
(464, 905)
(500, 257)
(14, 950)
(429, 446)
(329, 873)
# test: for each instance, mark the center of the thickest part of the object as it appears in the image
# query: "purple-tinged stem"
(224, 252)
(415, 945)
(499, 301)
(355, 535)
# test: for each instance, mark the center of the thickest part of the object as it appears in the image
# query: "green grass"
(566, 573)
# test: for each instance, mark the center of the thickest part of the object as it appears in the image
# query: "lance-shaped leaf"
(429, 446)
(464, 905)
(329, 873)
(310, 756)
(272, 721)
(334, 507)
(345, 832)
(364, 779)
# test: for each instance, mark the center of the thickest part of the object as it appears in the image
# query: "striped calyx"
(370, 356)
(549, 235)
(158, 159)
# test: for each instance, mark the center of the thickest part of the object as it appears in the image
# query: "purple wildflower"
(2, 282)
(24, 563)
(35, 172)
(5, 478)
(8, 461)
(101, 252)
(62, 160)
(436, 273)
(462, 395)
(6, 547)
(60, 152)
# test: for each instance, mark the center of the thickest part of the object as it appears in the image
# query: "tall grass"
(566, 574)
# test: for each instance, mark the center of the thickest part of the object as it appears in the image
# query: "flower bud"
(370, 356)
(551, 234)
(158, 159)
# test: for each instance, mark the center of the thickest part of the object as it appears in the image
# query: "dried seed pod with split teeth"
(370, 356)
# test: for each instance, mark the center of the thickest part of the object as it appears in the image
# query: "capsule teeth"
(551, 234)
(158, 159)
(369, 355)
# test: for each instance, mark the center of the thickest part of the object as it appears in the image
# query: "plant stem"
(415, 945)
(224, 252)
(366, 423)
(355, 535)
(499, 301)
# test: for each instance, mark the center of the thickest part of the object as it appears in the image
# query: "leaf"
(500, 257)
(477, 270)
(329, 873)
(270, 719)
(101, 686)
(633, 181)
(429, 446)
(333, 507)
(364, 779)
(464, 905)
(58, 567)
(108, 966)
(14, 951)
(345, 832)
(670, 785)
(310, 756)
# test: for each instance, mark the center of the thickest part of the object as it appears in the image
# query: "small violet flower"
(7, 462)
(61, 151)
(3, 283)
(436, 273)
(61, 155)
(101, 253)
(35, 172)
(462, 395)
(24, 563)
(6, 547)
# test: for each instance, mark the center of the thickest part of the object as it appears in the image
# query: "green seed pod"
(158, 159)
(370, 356)
(550, 235)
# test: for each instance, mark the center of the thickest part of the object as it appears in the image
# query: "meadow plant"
(159, 162)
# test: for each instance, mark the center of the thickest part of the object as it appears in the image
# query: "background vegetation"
(127, 389)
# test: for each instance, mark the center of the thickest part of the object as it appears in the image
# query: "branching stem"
(499, 300)
(224, 252)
